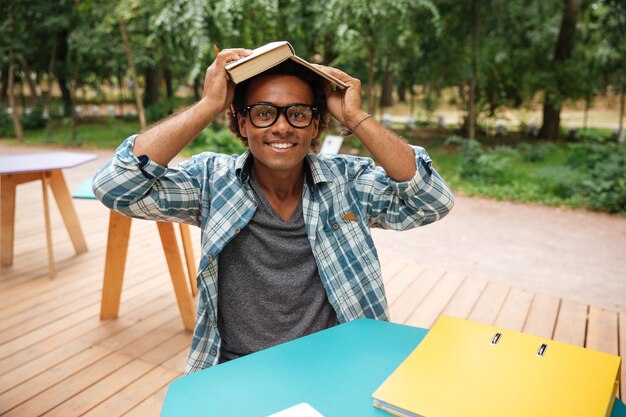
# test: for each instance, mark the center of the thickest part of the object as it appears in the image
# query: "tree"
(562, 54)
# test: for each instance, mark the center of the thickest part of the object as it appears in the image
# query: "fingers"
(230, 55)
(339, 74)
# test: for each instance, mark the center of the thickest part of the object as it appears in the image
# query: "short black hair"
(288, 67)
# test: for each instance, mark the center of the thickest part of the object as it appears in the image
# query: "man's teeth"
(281, 145)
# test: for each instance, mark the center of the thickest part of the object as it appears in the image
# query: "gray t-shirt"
(269, 289)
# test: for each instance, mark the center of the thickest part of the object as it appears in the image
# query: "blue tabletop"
(335, 371)
(84, 190)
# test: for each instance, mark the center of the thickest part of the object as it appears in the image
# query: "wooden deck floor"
(58, 359)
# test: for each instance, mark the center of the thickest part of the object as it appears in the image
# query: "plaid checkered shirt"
(343, 197)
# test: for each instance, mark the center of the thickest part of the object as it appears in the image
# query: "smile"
(281, 145)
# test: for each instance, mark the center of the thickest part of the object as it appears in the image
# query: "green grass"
(107, 134)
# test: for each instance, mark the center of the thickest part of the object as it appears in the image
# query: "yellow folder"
(467, 369)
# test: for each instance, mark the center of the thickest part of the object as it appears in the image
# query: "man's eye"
(264, 114)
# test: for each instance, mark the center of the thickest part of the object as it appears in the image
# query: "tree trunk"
(472, 93)
(31, 84)
(586, 112)
(401, 90)
(153, 84)
(15, 114)
(562, 53)
(120, 85)
(48, 97)
(133, 74)
(5, 83)
(386, 96)
(620, 129)
(169, 87)
(370, 80)
(60, 71)
(73, 88)
(19, 133)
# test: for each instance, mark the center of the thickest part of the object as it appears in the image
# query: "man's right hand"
(219, 90)
(165, 140)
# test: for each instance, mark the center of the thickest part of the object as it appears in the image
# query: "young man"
(285, 232)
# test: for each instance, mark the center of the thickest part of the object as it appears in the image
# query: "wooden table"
(115, 262)
(45, 167)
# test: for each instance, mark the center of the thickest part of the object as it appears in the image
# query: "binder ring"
(542, 349)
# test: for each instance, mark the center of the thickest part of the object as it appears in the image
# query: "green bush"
(535, 152)
(586, 156)
(605, 186)
(220, 141)
(560, 181)
(481, 165)
(6, 124)
(599, 135)
(34, 120)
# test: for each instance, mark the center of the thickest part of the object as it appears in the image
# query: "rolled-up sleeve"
(423, 199)
(139, 187)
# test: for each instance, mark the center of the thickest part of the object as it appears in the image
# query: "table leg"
(177, 272)
(189, 258)
(117, 248)
(7, 218)
(46, 212)
(64, 202)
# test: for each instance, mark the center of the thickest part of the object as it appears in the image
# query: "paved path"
(575, 254)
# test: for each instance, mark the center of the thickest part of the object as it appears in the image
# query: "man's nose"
(281, 124)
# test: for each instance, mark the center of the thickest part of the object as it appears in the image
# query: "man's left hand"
(344, 104)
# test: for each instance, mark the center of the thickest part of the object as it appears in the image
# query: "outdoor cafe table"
(115, 262)
(45, 167)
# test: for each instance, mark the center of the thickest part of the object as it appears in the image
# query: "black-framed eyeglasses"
(263, 115)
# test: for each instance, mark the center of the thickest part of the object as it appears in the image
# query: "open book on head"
(268, 56)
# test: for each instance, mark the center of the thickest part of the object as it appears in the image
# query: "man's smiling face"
(279, 147)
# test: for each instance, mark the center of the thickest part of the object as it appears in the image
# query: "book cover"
(469, 369)
(268, 56)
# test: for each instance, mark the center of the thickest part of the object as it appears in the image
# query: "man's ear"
(316, 128)
(241, 121)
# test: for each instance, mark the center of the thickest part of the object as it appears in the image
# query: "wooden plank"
(465, 298)
(178, 362)
(541, 320)
(433, 304)
(38, 365)
(414, 294)
(489, 304)
(140, 329)
(93, 330)
(396, 285)
(23, 392)
(514, 311)
(392, 269)
(168, 349)
(156, 337)
(571, 324)
(602, 330)
(133, 394)
(101, 390)
(150, 407)
(71, 386)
